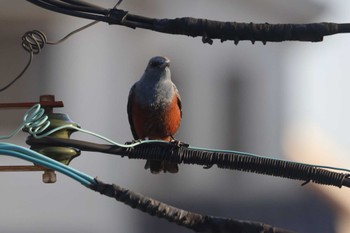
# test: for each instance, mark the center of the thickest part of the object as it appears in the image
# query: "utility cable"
(36, 122)
(39, 159)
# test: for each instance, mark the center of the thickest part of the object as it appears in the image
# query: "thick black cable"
(77, 13)
(234, 161)
(193, 221)
(82, 3)
(207, 29)
(77, 7)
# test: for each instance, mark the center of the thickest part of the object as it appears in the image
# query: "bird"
(155, 109)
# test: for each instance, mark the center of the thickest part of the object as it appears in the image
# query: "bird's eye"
(154, 63)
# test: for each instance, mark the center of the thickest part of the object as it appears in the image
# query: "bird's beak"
(166, 63)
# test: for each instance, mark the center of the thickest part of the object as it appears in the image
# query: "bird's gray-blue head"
(158, 68)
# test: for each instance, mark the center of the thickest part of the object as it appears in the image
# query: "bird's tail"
(158, 166)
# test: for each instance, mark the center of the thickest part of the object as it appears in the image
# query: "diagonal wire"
(39, 159)
(37, 39)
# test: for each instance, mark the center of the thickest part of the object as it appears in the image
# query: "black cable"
(191, 220)
(194, 27)
(83, 7)
(82, 3)
(78, 13)
(234, 161)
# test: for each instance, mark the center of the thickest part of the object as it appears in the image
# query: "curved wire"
(73, 32)
(20, 74)
(34, 121)
(36, 135)
(39, 159)
(34, 41)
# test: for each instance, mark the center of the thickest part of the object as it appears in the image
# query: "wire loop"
(33, 41)
(35, 121)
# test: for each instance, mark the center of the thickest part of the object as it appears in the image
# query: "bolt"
(49, 177)
(47, 98)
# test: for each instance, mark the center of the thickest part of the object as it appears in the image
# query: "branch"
(207, 29)
(193, 221)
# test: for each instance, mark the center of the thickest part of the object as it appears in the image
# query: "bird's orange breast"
(156, 123)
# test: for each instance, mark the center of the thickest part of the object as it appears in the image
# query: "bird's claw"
(133, 142)
(208, 166)
(178, 143)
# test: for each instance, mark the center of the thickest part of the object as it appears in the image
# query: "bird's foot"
(208, 166)
(178, 143)
(133, 141)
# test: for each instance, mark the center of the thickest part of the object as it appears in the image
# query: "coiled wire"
(33, 42)
(35, 121)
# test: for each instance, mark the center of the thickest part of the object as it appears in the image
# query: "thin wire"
(20, 74)
(39, 38)
(34, 41)
(73, 32)
(36, 122)
(33, 133)
(117, 4)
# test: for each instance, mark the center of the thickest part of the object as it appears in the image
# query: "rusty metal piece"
(49, 176)
(46, 101)
(22, 168)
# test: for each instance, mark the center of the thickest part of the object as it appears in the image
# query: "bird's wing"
(179, 103)
(129, 106)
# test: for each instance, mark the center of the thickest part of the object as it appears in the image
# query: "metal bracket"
(48, 103)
